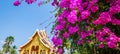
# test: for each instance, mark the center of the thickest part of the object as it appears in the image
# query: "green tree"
(13, 50)
(7, 46)
(1, 52)
(9, 40)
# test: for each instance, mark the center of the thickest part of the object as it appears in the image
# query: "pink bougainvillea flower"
(115, 21)
(83, 34)
(85, 14)
(54, 38)
(54, 3)
(59, 27)
(60, 50)
(72, 18)
(106, 30)
(57, 41)
(89, 6)
(16, 3)
(94, 8)
(73, 30)
(60, 41)
(64, 3)
(80, 42)
(99, 35)
(84, 4)
(118, 39)
(89, 41)
(30, 1)
(113, 38)
(93, 1)
(41, 3)
(65, 13)
(90, 32)
(103, 18)
(114, 9)
(101, 45)
(112, 45)
(66, 35)
(75, 3)
(98, 21)
(60, 18)
(80, 8)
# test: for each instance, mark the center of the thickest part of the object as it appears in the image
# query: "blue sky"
(22, 21)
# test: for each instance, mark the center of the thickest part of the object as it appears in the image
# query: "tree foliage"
(8, 48)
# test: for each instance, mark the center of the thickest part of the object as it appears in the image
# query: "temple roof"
(43, 39)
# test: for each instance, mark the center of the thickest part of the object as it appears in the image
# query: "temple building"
(37, 44)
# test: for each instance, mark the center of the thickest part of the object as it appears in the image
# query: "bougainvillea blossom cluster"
(18, 2)
(103, 18)
(105, 35)
(76, 19)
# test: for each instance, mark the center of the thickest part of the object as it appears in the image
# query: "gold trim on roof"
(43, 39)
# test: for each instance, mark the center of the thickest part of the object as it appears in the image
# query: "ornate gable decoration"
(27, 48)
